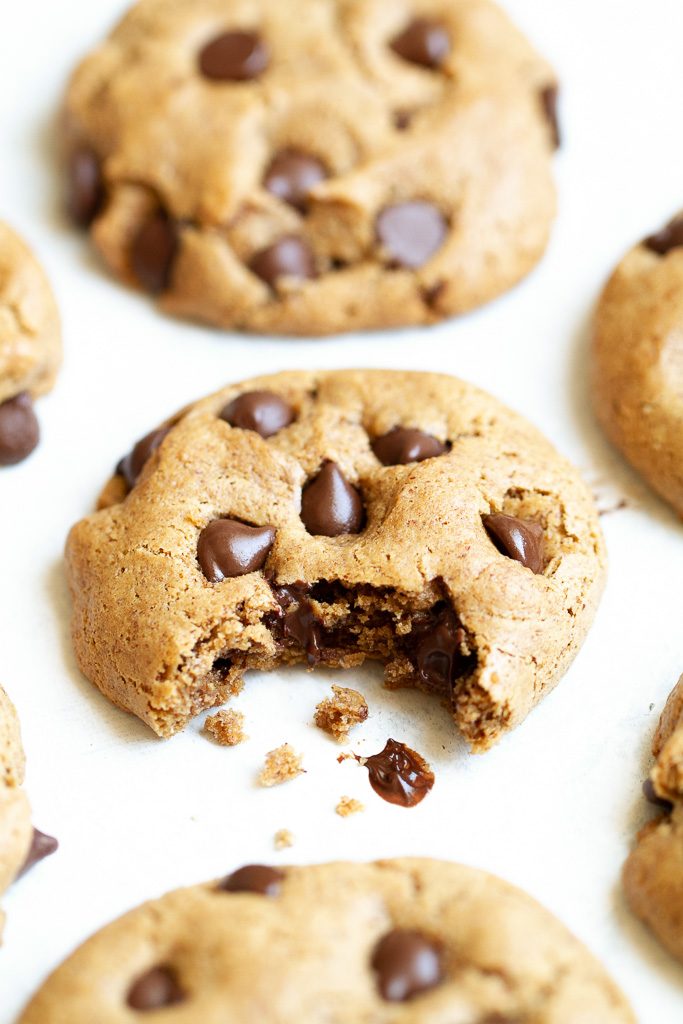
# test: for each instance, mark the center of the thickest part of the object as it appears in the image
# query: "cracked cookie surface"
(332, 517)
(638, 360)
(315, 166)
(15, 815)
(30, 345)
(410, 941)
(653, 873)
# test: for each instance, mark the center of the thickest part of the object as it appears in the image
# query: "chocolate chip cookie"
(331, 517)
(638, 360)
(653, 874)
(314, 166)
(30, 346)
(414, 941)
(21, 846)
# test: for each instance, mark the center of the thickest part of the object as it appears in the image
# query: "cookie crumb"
(348, 805)
(226, 728)
(282, 764)
(338, 714)
(283, 839)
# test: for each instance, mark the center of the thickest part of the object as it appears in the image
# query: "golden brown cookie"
(638, 360)
(30, 345)
(332, 517)
(395, 942)
(653, 873)
(317, 165)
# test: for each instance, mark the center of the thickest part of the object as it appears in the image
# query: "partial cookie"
(30, 346)
(653, 873)
(638, 360)
(329, 518)
(316, 165)
(413, 941)
(21, 846)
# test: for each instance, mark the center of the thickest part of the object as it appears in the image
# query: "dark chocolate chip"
(297, 620)
(405, 444)
(406, 963)
(411, 232)
(423, 42)
(521, 539)
(155, 990)
(19, 430)
(670, 237)
(438, 652)
(399, 775)
(85, 187)
(330, 505)
(256, 878)
(153, 252)
(42, 846)
(262, 411)
(549, 98)
(234, 57)
(654, 798)
(291, 176)
(290, 256)
(402, 119)
(130, 467)
(228, 548)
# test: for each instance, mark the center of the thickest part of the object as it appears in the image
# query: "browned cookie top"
(316, 165)
(329, 517)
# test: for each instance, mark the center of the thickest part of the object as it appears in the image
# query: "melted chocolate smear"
(296, 621)
(439, 649)
(398, 774)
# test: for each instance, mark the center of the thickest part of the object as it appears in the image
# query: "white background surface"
(556, 804)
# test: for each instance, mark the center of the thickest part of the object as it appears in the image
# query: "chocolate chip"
(330, 505)
(153, 252)
(406, 963)
(438, 652)
(42, 846)
(256, 878)
(288, 257)
(227, 548)
(653, 797)
(155, 990)
(234, 57)
(411, 232)
(399, 775)
(423, 42)
(130, 467)
(521, 539)
(670, 237)
(549, 98)
(297, 620)
(405, 444)
(262, 411)
(19, 430)
(291, 176)
(86, 188)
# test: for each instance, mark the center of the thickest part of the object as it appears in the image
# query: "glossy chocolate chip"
(406, 963)
(227, 548)
(411, 232)
(42, 846)
(130, 467)
(262, 411)
(670, 237)
(653, 797)
(423, 42)
(19, 430)
(330, 505)
(438, 652)
(404, 444)
(256, 878)
(153, 253)
(290, 256)
(234, 57)
(291, 176)
(521, 539)
(399, 775)
(549, 98)
(155, 990)
(85, 187)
